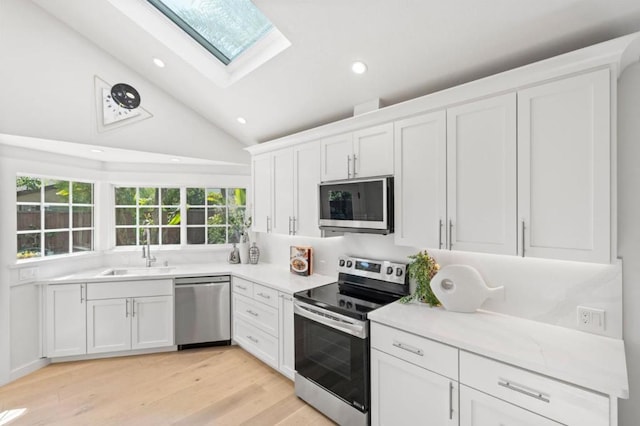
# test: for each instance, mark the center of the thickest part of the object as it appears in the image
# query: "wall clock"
(117, 105)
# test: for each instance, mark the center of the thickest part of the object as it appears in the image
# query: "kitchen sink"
(136, 271)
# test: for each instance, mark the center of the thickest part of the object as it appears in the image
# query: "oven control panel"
(378, 269)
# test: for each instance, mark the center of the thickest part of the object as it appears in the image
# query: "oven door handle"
(353, 327)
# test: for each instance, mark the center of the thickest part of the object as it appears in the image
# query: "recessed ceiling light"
(241, 120)
(359, 67)
(175, 160)
(97, 151)
(159, 62)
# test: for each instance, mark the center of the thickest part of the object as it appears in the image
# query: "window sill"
(51, 259)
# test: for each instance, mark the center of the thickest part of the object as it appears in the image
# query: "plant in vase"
(422, 269)
(240, 224)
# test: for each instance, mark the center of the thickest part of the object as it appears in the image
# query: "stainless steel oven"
(332, 357)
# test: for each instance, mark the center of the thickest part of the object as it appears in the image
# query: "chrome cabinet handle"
(440, 233)
(81, 291)
(450, 401)
(250, 312)
(126, 308)
(293, 228)
(133, 308)
(450, 234)
(253, 339)
(523, 238)
(354, 166)
(268, 224)
(408, 348)
(266, 296)
(348, 166)
(523, 390)
(241, 287)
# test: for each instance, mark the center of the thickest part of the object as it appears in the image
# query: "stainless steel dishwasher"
(203, 311)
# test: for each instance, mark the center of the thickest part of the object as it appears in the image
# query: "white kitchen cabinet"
(564, 168)
(152, 322)
(553, 399)
(285, 190)
(405, 394)
(480, 409)
(263, 324)
(287, 336)
(421, 180)
(129, 315)
(363, 153)
(108, 325)
(261, 192)
(481, 175)
(66, 314)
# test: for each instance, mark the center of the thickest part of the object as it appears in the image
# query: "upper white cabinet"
(261, 192)
(66, 314)
(285, 195)
(421, 180)
(564, 168)
(363, 153)
(481, 175)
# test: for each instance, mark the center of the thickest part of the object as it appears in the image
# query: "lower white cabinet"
(129, 323)
(480, 409)
(66, 316)
(109, 317)
(404, 394)
(263, 324)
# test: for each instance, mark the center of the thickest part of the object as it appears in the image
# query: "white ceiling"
(412, 48)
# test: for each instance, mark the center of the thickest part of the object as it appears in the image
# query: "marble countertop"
(274, 276)
(584, 359)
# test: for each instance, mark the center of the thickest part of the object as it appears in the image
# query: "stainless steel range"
(332, 336)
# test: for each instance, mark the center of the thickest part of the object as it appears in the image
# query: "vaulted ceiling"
(411, 47)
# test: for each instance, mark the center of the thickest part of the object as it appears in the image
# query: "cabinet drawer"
(261, 316)
(242, 286)
(433, 356)
(256, 342)
(265, 295)
(548, 397)
(123, 289)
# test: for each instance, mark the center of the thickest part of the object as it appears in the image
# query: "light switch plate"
(27, 274)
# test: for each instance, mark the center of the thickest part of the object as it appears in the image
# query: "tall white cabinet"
(285, 190)
(564, 168)
(481, 175)
(421, 180)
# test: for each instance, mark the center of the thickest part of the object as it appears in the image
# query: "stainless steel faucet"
(146, 251)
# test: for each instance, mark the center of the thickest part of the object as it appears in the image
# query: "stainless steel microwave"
(357, 205)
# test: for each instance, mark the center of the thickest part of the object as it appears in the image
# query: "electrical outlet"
(591, 319)
(27, 274)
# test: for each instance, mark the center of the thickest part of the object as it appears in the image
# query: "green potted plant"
(422, 269)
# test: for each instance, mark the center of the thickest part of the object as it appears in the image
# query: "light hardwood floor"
(210, 386)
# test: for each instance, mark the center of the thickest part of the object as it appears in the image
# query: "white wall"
(48, 90)
(629, 230)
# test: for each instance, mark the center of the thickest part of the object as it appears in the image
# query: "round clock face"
(112, 112)
(126, 96)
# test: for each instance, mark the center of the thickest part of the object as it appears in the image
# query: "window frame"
(69, 230)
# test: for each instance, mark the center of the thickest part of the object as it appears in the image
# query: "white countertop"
(584, 359)
(274, 276)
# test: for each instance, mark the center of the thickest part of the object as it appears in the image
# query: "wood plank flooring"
(209, 386)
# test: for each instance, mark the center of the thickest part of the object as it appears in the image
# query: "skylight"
(226, 28)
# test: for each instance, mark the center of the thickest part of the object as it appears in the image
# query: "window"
(215, 215)
(137, 209)
(54, 217)
(226, 28)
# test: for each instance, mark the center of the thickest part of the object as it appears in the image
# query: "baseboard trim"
(28, 368)
(114, 354)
